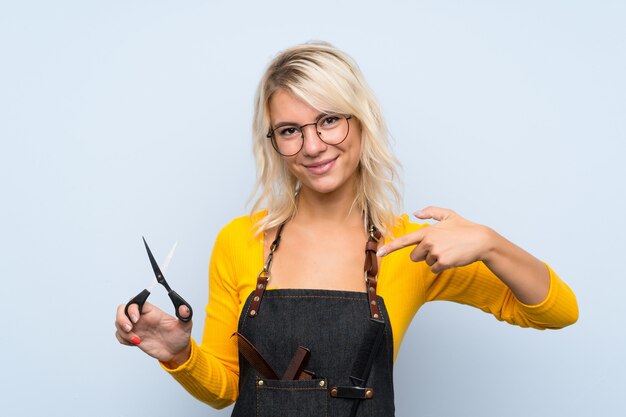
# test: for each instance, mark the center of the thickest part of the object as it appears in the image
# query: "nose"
(312, 145)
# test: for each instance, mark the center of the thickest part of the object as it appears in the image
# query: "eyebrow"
(281, 124)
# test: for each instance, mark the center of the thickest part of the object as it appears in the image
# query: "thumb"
(432, 212)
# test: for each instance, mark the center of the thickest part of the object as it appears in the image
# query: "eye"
(329, 121)
(287, 132)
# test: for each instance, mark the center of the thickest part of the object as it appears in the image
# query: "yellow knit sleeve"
(212, 372)
(477, 286)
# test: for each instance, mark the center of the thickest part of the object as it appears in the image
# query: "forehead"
(285, 107)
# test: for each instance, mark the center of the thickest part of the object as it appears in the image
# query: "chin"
(323, 186)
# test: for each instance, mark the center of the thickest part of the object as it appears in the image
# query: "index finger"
(132, 312)
(122, 321)
(139, 301)
(403, 241)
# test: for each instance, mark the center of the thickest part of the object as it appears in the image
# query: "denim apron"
(338, 328)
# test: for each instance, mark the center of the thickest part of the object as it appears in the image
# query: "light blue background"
(127, 118)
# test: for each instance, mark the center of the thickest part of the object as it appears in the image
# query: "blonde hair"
(329, 81)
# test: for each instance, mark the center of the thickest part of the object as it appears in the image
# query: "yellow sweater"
(211, 374)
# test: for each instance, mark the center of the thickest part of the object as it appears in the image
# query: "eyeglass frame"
(270, 133)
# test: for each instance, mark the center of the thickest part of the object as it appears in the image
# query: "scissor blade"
(166, 262)
(153, 262)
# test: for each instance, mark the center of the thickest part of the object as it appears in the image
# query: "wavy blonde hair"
(329, 81)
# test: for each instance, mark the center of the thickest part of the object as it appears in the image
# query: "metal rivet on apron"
(369, 393)
(373, 302)
(333, 392)
(375, 315)
(252, 313)
(260, 382)
(256, 298)
(260, 286)
(322, 383)
(372, 289)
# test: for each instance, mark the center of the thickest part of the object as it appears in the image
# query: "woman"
(320, 340)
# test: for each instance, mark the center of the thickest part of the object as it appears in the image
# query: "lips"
(321, 167)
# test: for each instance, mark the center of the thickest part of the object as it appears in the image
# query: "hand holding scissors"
(177, 300)
(157, 333)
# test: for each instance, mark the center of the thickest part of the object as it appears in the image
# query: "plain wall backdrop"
(127, 118)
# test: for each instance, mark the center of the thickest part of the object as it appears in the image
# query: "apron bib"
(332, 325)
(347, 336)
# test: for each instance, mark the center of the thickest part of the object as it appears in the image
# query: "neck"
(331, 209)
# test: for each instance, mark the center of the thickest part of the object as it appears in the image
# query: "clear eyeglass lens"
(332, 129)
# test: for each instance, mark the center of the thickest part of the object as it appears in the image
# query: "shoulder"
(240, 230)
(244, 224)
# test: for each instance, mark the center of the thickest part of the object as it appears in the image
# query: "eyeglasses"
(288, 139)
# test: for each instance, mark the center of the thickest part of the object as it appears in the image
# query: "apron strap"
(264, 276)
(371, 270)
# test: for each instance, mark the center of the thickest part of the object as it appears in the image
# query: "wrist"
(179, 358)
(492, 241)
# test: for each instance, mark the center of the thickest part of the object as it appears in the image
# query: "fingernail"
(381, 253)
(133, 318)
(127, 327)
(135, 340)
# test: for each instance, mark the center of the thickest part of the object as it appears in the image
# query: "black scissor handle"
(139, 299)
(178, 301)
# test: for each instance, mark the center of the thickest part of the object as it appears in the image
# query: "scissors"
(177, 300)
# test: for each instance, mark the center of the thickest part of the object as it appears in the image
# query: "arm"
(472, 264)
(526, 276)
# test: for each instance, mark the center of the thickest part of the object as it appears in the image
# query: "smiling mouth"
(320, 167)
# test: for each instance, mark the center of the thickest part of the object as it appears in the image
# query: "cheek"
(356, 150)
(290, 164)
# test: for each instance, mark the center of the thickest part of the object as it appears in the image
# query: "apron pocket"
(278, 398)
